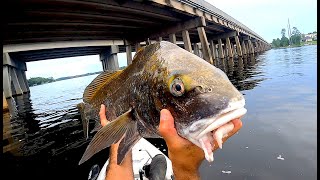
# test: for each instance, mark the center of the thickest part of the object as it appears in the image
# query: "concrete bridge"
(46, 29)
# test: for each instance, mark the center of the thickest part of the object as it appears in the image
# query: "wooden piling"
(220, 49)
(172, 38)
(205, 45)
(186, 40)
(239, 50)
(228, 45)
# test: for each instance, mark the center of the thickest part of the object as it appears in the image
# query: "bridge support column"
(213, 50)
(220, 49)
(261, 47)
(244, 49)
(205, 45)
(14, 77)
(186, 40)
(128, 53)
(250, 47)
(258, 47)
(247, 47)
(235, 51)
(259, 44)
(228, 46)
(172, 38)
(109, 58)
(196, 49)
(239, 50)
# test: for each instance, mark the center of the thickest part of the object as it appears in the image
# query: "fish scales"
(161, 76)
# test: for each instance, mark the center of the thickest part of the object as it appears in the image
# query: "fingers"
(237, 126)
(102, 114)
(167, 129)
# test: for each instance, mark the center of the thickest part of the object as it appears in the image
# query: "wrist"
(186, 162)
(183, 172)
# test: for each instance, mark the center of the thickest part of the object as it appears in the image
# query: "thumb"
(166, 127)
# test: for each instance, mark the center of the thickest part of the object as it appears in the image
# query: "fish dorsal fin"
(100, 81)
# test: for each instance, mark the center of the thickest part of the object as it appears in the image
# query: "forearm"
(123, 171)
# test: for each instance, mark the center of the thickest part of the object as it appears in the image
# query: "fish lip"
(234, 110)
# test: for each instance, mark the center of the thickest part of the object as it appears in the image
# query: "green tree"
(283, 32)
(284, 41)
(276, 42)
(39, 80)
(296, 36)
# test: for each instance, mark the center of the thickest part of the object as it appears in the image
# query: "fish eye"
(177, 87)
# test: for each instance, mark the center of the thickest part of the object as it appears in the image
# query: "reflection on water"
(44, 137)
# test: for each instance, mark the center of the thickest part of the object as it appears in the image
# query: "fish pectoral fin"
(131, 137)
(107, 135)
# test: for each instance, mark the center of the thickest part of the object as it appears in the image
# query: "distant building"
(309, 37)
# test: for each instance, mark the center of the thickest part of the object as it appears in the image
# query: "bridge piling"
(196, 49)
(244, 49)
(14, 77)
(228, 46)
(128, 52)
(213, 50)
(109, 58)
(186, 40)
(220, 49)
(172, 38)
(239, 50)
(248, 48)
(251, 47)
(259, 46)
(204, 45)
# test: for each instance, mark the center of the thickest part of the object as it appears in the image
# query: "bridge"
(47, 29)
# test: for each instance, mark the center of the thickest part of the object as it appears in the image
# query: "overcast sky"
(265, 17)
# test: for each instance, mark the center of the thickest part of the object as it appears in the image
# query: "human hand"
(114, 147)
(185, 156)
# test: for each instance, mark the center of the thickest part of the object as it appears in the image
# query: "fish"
(162, 75)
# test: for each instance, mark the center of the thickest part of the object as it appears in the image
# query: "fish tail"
(83, 108)
(123, 128)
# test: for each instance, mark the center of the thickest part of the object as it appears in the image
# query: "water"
(277, 141)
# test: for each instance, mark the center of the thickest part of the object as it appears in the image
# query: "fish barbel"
(162, 75)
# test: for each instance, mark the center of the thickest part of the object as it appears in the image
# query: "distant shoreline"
(293, 46)
(41, 80)
(67, 77)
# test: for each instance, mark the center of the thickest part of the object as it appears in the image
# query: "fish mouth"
(221, 120)
(217, 127)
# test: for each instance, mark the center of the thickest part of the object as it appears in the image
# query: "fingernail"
(163, 115)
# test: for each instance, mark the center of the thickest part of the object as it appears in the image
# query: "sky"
(265, 17)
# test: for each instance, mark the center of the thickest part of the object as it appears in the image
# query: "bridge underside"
(47, 29)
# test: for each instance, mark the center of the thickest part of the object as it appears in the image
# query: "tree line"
(284, 41)
(41, 80)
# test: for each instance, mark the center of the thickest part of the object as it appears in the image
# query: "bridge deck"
(33, 21)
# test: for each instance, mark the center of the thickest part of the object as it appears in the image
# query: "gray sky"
(265, 17)
(268, 17)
